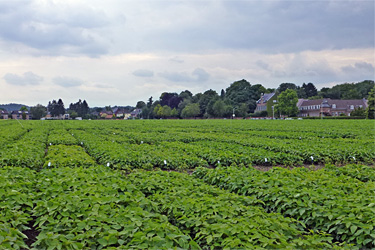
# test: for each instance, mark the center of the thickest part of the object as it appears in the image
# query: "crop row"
(360, 172)
(341, 205)
(91, 208)
(97, 207)
(188, 144)
(26, 152)
(125, 156)
(217, 219)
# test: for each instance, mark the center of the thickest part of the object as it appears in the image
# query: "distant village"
(240, 100)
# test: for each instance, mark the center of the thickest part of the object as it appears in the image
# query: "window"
(351, 106)
(333, 106)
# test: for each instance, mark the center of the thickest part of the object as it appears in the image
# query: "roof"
(4, 112)
(340, 104)
(265, 97)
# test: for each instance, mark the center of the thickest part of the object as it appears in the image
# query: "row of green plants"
(61, 136)
(217, 219)
(100, 208)
(10, 134)
(67, 156)
(28, 151)
(129, 156)
(80, 208)
(247, 142)
(322, 200)
(361, 172)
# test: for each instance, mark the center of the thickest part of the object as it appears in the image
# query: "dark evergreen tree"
(310, 90)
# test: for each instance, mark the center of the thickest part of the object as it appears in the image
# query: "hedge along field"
(89, 184)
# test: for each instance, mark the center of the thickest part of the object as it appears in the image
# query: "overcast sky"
(117, 52)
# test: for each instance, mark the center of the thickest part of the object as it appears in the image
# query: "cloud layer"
(129, 50)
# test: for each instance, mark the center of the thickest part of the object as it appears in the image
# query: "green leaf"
(103, 242)
(209, 239)
(353, 229)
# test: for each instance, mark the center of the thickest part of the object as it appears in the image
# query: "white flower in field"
(108, 164)
(49, 164)
(165, 162)
(141, 142)
(353, 158)
(50, 144)
(265, 160)
(114, 133)
(218, 162)
(312, 158)
(300, 138)
(81, 143)
(72, 134)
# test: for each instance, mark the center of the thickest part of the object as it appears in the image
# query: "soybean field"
(187, 184)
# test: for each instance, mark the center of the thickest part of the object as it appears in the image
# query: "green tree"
(174, 113)
(205, 99)
(219, 108)
(311, 90)
(23, 108)
(38, 111)
(351, 94)
(243, 110)
(158, 111)
(73, 114)
(285, 86)
(140, 105)
(242, 92)
(166, 111)
(191, 110)
(359, 112)
(287, 103)
(370, 110)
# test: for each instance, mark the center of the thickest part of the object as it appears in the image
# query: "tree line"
(57, 109)
(240, 98)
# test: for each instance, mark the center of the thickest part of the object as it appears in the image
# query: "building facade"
(266, 102)
(328, 107)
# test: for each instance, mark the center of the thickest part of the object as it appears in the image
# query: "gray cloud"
(28, 78)
(67, 82)
(53, 29)
(143, 73)
(263, 65)
(359, 67)
(267, 26)
(198, 75)
(193, 26)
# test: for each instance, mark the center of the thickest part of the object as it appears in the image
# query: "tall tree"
(242, 92)
(370, 110)
(60, 107)
(38, 111)
(79, 108)
(285, 86)
(141, 105)
(191, 110)
(186, 95)
(205, 99)
(311, 90)
(170, 99)
(149, 103)
(287, 103)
